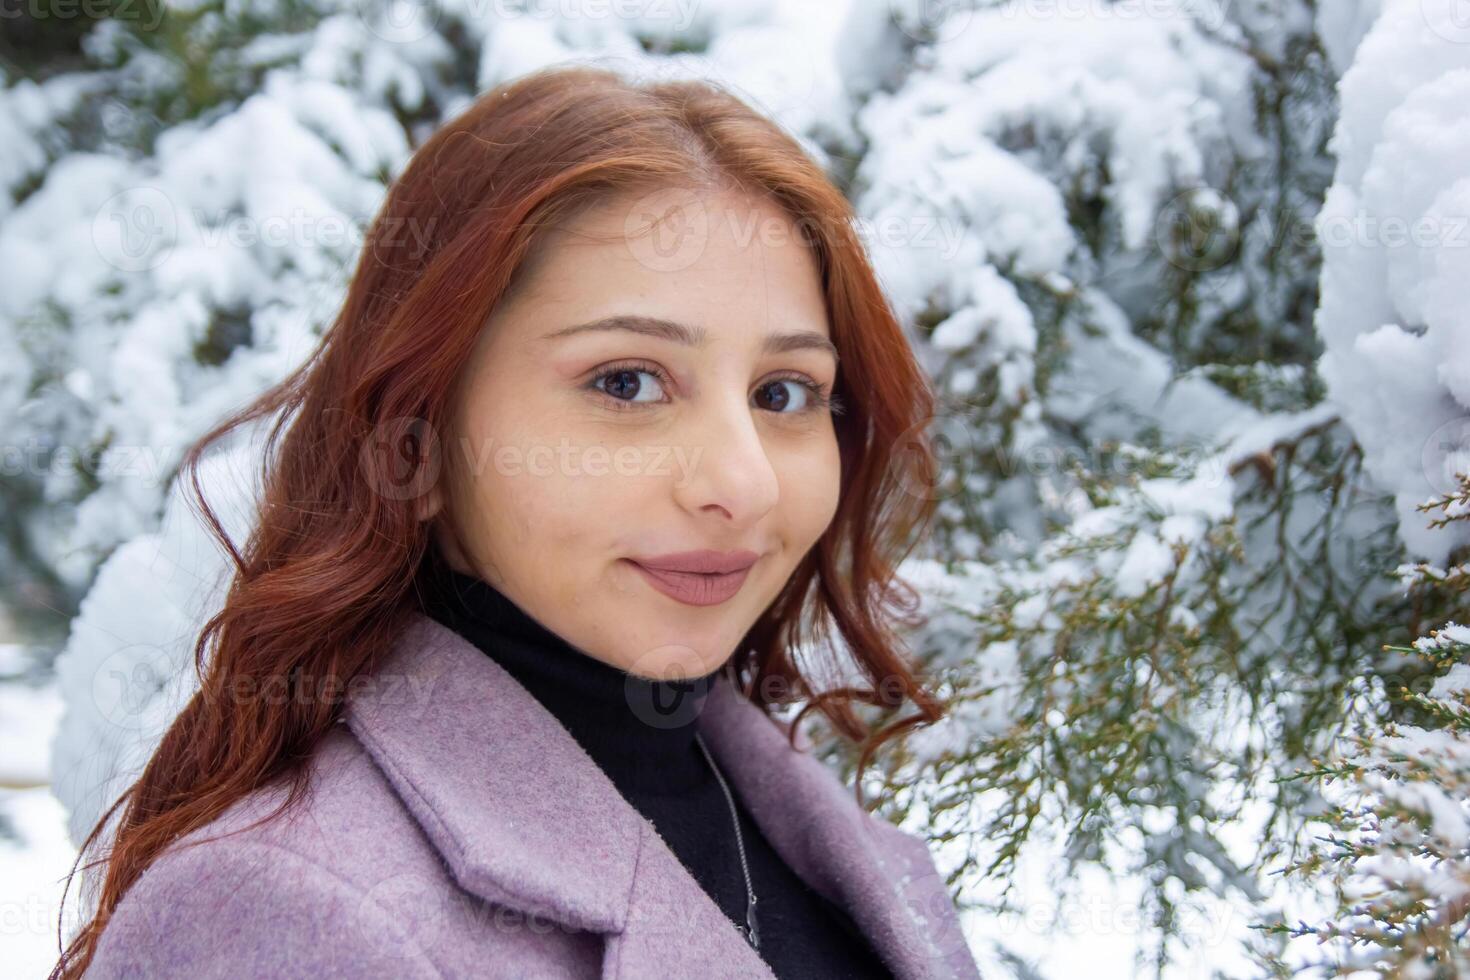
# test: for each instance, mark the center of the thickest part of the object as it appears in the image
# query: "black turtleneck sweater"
(661, 771)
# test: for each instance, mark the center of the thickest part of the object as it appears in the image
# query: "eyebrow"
(690, 336)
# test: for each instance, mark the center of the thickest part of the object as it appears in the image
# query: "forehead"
(730, 262)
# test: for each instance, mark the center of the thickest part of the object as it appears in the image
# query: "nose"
(727, 472)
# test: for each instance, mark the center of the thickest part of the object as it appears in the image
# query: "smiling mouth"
(694, 588)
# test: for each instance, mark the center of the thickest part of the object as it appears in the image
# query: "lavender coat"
(456, 829)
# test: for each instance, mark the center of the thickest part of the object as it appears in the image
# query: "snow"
(130, 664)
(1144, 565)
(1088, 77)
(36, 864)
(34, 850)
(25, 712)
(1396, 235)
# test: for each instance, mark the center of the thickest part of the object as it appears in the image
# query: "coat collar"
(481, 764)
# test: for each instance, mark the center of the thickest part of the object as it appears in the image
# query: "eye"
(630, 384)
(786, 395)
(625, 387)
(795, 395)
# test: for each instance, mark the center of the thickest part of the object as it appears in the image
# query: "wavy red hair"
(326, 579)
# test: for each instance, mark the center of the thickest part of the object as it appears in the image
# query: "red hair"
(325, 581)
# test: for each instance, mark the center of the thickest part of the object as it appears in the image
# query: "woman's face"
(681, 420)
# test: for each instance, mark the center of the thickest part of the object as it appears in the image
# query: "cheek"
(810, 491)
(547, 493)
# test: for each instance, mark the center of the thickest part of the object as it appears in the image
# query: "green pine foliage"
(1395, 842)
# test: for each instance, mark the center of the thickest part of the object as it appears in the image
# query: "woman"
(545, 520)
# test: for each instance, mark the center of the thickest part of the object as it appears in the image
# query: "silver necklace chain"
(749, 931)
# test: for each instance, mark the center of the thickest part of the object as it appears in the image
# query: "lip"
(703, 562)
(679, 577)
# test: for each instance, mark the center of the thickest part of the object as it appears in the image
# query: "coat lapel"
(526, 819)
(885, 878)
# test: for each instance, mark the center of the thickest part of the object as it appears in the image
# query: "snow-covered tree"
(1178, 485)
(1393, 317)
(1397, 844)
(1149, 496)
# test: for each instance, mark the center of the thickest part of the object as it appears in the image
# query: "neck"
(640, 731)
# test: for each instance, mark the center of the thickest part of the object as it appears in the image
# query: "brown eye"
(777, 396)
(795, 396)
(630, 385)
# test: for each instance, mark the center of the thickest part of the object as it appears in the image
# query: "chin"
(674, 661)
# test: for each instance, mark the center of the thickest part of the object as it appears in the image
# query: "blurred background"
(1190, 277)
